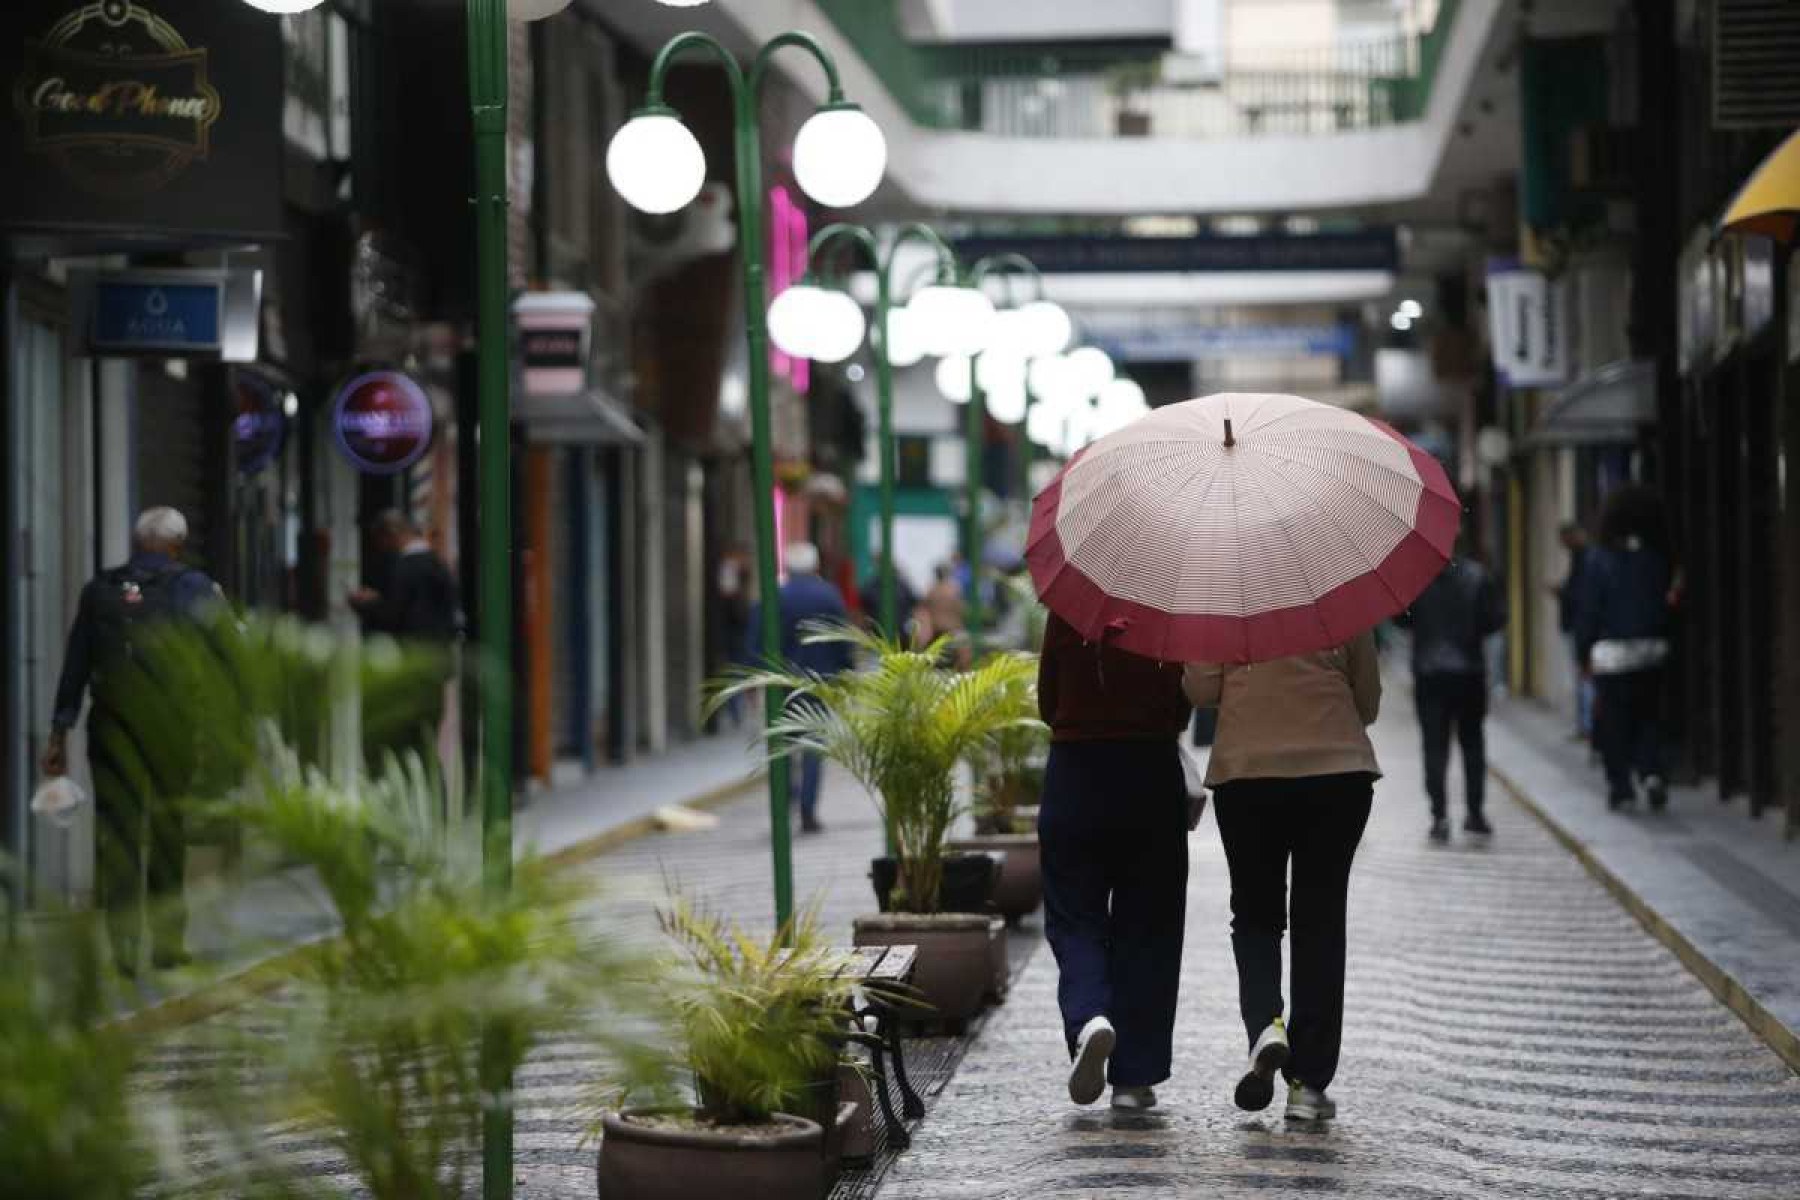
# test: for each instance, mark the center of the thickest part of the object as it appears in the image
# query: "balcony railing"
(1102, 91)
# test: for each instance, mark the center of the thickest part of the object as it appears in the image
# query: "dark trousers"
(1316, 823)
(811, 768)
(1628, 728)
(1453, 704)
(1113, 828)
(140, 849)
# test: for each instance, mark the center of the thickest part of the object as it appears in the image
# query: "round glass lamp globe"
(1052, 380)
(953, 378)
(999, 369)
(905, 341)
(1048, 328)
(1044, 425)
(839, 156)
(1010, 334)
(1090, 369)
(793, 317)
(286, 8)
(955, 320)
(534, 10)
(656, 164)
(839, 328)
(1121, 402)
(1007, 404)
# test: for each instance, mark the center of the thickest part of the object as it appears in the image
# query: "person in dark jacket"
(1113, 830)
(1568, 594)
(139, 840)
(805, 598)
(417, 603)
(1451, 622)
(1622, 637)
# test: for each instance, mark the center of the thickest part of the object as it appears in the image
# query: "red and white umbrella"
(1241, 528)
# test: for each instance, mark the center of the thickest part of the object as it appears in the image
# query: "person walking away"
(1622, 636)
(1568, 595)
(1293, 775)
(1451, 622)
(140, 836)
(806, 598)
(1113, 828)
(906, 601)
(946, 611)
(418, 604)
(734, 615)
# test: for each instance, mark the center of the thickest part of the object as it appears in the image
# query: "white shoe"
(1306, 1104)
(1087, 1078)
(1256, 1090)
(1133, 1099)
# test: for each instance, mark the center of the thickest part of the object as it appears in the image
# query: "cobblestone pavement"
(1511, 1032)
(727, 868)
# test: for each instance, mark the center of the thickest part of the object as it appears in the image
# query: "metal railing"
(1106, 91)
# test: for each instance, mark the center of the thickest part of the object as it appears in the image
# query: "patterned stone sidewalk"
(1511, 1032)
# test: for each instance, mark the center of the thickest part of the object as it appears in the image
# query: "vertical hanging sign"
(1528, 325)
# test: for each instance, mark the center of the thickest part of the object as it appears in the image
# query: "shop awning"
(590, 418)
(1610, 405)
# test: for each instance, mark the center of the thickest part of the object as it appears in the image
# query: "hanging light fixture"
(954, 320)
(905, 338)
(839, 156)
(655, 162)
(822, 324)
(1048, 328)
(1007, 403)
(953, 378)
(285, 8)
(1091, 369)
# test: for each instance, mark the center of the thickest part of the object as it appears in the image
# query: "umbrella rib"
(1402, 476)
(1092, 494)
(1294, 549)
(1374, 568)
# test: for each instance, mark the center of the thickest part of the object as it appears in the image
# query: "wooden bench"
(883, 975)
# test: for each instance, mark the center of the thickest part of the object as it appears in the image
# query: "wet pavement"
(1510, 1032)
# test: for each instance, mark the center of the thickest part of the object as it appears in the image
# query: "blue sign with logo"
(134, 316)
(1210, 343)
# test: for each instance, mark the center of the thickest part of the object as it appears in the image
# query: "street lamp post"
(656, 164)
(882, 347)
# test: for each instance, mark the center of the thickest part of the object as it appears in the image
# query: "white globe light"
(793, 318)
(1010, 334)
(289, 7)
(905, 337)
(530, 10)
(1091, 369)
(1053, 382)
(839, 156)
(1044, 425)
(1007, 403)
(1049, 329)
(953, 378)
(841, 327)
(655, 163)
(1122, 402)
(955, 320)
(997, 369)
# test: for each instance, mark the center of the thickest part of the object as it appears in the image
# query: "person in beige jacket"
(1293, 774)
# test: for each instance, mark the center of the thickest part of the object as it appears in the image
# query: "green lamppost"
(809, 321)
(658, 167)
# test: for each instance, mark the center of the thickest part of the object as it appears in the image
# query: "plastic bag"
(58, 799)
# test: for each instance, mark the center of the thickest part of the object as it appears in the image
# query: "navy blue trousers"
(1113, 827)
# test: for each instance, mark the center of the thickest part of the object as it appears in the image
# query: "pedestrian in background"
(806, 597)
(417, 603)
(1113, 829)
(1568, 596)
(1622, 635)
(734, 617)
(1451, 622)
(140, 866)
(946, 612)
(1293, 775)
(905, 602)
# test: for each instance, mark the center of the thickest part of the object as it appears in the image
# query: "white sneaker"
(1087, 1078)
(1256, 1090)
(1133, 1099)
(1307, 1104)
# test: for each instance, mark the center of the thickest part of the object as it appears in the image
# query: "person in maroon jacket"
(1113, 826)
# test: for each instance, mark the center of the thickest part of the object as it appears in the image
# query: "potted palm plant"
(758, 1026)
(1008, 779)
(901, 723)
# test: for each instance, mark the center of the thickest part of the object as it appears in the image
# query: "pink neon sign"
(787, 264)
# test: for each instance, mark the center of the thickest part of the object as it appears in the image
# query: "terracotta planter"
(783, 1161)
(955, 967)
(968, 884)
(1019, 888)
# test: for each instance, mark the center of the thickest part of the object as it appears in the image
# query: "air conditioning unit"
(662, 244)
(1755, 44)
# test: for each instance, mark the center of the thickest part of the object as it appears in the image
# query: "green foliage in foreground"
(900, 723)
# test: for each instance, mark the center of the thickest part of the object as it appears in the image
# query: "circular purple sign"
(382, 422)
(260, 427)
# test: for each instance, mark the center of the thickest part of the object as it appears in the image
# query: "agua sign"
(382, 422)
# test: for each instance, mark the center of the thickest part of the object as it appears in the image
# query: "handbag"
(1194, 779)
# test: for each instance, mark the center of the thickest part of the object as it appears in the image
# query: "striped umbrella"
(1241, 528)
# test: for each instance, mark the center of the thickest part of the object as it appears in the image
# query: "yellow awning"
(1769, 203)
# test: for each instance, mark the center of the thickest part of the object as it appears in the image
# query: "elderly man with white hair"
(140, 846)
(806, 596)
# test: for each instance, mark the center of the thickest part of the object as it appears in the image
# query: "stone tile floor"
(1511, 1032)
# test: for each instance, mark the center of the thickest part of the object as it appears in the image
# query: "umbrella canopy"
(1769, 203)
(1241, 528)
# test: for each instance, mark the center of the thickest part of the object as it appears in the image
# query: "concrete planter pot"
(968, 885)
(955, 968)
(1019, 888)
(857, 1141)
(643, 1160)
